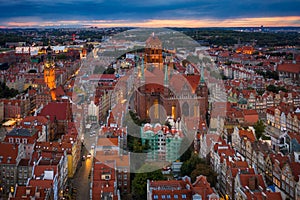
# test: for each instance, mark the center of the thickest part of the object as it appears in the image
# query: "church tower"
(202, 94)
(49, 73)
(153, 52)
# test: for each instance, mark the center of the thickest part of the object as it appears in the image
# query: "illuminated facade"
(162, 92)
(153, 52)
(49, 73)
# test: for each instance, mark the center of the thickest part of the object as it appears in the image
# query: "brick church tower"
(202, 94)
(163, 92)
(153, 52)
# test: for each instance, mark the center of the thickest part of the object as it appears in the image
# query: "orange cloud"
(193, 23)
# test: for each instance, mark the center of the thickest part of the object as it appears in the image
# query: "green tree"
(139, 183)
(109, 70)
(187, 151)
(6, 92)
(205, 170)
(189, 165)
(259, 127)
(61, 56)
(275, 89)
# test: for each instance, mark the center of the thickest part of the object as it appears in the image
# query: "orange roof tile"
(289, 67)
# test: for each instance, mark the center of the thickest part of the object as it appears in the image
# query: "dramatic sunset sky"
(149, 13)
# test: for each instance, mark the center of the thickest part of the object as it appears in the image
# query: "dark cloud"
(51, 10)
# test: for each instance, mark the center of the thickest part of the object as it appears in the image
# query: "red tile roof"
(282, 159)
(100, 184)
(39, 170)
(244, 179)
(295, 167)
(26, 192)
(289, 67)
(56, 110)
(247, 134)
(57, 147)
(43, 184)
(8, 153)
(260, 195)
(202, 187)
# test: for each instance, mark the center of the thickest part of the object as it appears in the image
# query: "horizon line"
(96, 27)
(287, 21)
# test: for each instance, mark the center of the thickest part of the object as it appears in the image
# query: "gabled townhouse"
(27, 137)
(46, 178)
(207, 142)
(292, 141)
(9, 160)
(249, 184)
(181, 189)
(278, 161)
(60, 152)
(74, 156)
(235, 168)
(242, 139)
(104, 185)
(218, 156)
(107, 149)
(259, 151)
(290, 180)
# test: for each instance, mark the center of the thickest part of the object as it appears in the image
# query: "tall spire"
(202, 81)
(166, 82)
(142, 70)
(135, 69)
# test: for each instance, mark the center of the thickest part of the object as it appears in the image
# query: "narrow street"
(81, 182)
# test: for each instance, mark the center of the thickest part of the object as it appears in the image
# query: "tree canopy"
(259, 127)
(276, 89)
(139, 183)
(6, 92)
(196, 166)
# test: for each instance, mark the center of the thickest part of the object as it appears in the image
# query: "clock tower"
(49, 73)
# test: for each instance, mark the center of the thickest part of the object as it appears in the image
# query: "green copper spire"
(166, 82)
(202, 75)
(135, 69)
